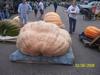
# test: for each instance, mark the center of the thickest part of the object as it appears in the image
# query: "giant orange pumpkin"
(53, 18)
(41, 38)
(92, 31)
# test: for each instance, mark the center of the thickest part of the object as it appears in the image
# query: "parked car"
(64, 4)
(88, 6)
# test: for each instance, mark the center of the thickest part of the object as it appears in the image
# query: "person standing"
(7, 14)
(55, 5)
(2, 14)
(35, 8)
(23, 10)
(72, 10)
(41, 8)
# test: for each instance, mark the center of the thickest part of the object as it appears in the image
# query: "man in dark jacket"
(55, 5)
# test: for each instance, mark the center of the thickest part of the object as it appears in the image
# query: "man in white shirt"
(41, 7)
(23, 10)
(72, 10)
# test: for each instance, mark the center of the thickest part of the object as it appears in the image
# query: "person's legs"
(25, 19)
(42, 12)
(22, 19)
(35, 11)
(3, 15)
(70, 25)
(74, 24)
(0, 16)
(55, 8)
(7, 14)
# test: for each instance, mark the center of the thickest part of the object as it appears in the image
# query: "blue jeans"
(7, 15)
(24, 18)
(72, 24)
(2, 15)
(55, 7)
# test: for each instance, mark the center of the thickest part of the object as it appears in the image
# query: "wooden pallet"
(90, 43)
(67, 59)
(95, 42)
